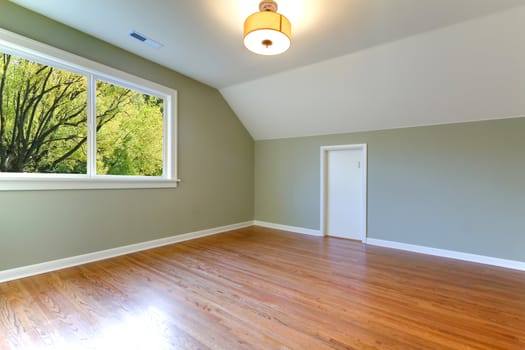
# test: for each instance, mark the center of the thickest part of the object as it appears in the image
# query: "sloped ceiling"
(353, 65)
(474, 70)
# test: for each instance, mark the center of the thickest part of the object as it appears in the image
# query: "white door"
(345, 192)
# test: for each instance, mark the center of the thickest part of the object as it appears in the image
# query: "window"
(128, 131)
(67, 122)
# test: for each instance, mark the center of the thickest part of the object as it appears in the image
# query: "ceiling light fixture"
(267, 32)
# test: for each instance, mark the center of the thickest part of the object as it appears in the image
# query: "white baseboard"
(511, 264)
(305, 231)
(31, 270)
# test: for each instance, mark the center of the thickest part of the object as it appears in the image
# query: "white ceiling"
(203, 38)
(474, 70)
(353, 65)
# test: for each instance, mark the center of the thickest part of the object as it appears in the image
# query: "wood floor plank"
(259, 288)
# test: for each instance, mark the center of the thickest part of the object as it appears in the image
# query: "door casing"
(324, 181)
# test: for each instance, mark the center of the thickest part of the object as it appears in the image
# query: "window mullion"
(166, 150)
(91, 124)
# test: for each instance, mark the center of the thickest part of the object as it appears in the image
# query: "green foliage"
(42, 118)
(43, 123)
(131, 142)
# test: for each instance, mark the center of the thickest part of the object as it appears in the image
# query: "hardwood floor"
(258, 288)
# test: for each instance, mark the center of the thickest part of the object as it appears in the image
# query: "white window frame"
(33, 50)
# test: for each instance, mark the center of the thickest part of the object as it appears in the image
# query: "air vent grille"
(141, 37)
(137, 36)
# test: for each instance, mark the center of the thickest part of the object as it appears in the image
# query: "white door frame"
(324, 154)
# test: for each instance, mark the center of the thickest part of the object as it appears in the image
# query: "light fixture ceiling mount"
(268, 5)
(267, 32)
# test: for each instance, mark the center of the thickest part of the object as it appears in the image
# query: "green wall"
(215, 163)
(459, 187)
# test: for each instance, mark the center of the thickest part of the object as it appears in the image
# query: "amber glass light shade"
(267, 33)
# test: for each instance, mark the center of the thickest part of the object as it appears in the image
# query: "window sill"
(84, 183)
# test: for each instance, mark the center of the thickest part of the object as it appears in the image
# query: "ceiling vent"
(141, 37)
